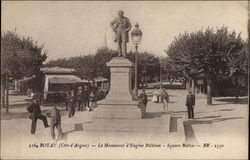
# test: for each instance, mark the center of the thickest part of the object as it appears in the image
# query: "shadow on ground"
(77, 127)
(23, 115)
(189, 132)
(233, 100)
(151, 115)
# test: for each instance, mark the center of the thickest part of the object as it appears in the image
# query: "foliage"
(90, 66)
(210, 54)
(87, 66)
(238, 65)
(204, 52)
(101, 57)
(20, 56)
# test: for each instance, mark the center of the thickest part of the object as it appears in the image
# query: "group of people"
(163, 97)
(35, 114)
(159, 96)
(81, 99)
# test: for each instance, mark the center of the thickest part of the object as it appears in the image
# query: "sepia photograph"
(125, 79)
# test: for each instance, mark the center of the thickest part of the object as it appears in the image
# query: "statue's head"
(120, 13)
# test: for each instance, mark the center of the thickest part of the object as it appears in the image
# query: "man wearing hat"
(56, 122)
(36, 113)
(143, 100)
(165, 100)
(79, 98)
(121, 26)
(190, 103)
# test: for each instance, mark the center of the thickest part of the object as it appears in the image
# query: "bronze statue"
(121, 27)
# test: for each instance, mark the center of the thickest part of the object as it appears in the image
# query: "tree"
(20, 57)
(203, 53)
(238, 67)
(87, 66)
(101, 57)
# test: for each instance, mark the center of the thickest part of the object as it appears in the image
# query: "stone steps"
(157, 125)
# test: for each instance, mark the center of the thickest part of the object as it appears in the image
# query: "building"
(57, 81)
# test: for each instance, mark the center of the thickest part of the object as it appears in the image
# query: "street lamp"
(136, 35)
(161, 61)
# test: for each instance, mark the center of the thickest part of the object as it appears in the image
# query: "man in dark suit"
(72, 103)
(36, 113)
(144, 98)
(190, 103)
(56, 122)
(86, 97)
(79, 98)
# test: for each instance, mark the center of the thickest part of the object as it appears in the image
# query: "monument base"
(118, 110)
(111, 109)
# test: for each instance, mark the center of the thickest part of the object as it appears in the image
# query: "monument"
(118, 111)
(118, 103)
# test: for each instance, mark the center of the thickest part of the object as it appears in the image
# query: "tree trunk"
(188, 84)
(3, 92)
(193, 86)
(7, 93)
(16, 84)
(209, 91)
(237, 88)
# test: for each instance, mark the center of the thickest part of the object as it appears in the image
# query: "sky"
(78, 27)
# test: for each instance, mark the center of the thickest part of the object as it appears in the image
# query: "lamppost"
(161, 61)
(136, 35)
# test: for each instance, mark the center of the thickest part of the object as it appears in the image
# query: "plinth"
(118, 103)
(117, 112)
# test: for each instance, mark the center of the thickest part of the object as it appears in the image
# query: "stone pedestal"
(118, 103)
(120, 84)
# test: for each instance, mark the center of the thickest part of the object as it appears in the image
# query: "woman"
(92, 100)
(155, 96)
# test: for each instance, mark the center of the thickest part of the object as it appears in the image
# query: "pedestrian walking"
(143, 100)
(155, 97)
(36, 113)
(79, 98)
(165, 99)
(190, 103)
(93, 101)
(86, 96)
(67, 95)
(72, 103)
(28, 92)
(32, 93)
(56, 122)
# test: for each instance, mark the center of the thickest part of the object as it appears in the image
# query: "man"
(165, 99)
(79, 97)
(121, 27)
(86, 97)
(67, 94)
(144, 98)
(56, 122)
(72, 103)
(190, 103)
(36, 113)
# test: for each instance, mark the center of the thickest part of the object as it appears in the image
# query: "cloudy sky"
(77, 28)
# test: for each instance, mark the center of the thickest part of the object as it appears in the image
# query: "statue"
(121, 27)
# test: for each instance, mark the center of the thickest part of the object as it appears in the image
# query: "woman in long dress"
(155, 96)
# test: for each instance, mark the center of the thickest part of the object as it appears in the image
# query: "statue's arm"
(129, 25)
(112, 24)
